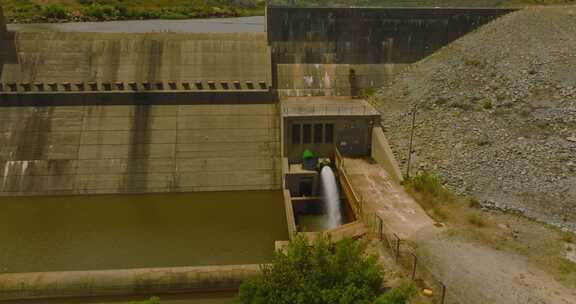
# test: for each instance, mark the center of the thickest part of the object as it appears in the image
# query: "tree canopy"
(317, 274)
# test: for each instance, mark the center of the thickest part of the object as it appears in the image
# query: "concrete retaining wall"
(383, 155)
(124, 282)
(338, 51)
(137, 149)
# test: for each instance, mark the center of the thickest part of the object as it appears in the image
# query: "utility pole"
(411, 140)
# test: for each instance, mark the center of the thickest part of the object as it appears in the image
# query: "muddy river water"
(139, 231)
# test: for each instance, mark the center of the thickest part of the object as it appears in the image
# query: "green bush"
(320, 273)
(400, 295)
(426, 182)
(431, 194)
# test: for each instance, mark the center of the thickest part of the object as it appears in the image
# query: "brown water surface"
(139, 231)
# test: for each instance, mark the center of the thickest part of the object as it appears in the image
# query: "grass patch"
(476, 220)
(428, 190)
(544, 246)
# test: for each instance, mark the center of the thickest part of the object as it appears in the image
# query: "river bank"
(60, 11)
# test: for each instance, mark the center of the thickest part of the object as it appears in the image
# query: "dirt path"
(473, 273)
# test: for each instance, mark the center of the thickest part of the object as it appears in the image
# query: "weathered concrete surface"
(338, 51)
(138, 57)
(306, 79)
(382, 196)
(124, 282)
(172, 139)
(384, 156)
(129, 149)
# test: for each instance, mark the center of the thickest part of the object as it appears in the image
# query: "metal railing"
(327, 109)
(355, 200)
(405, 256)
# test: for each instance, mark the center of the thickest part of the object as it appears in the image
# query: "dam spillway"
(178, 129)
(146, 140)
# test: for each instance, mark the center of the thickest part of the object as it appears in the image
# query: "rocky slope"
(496, 114)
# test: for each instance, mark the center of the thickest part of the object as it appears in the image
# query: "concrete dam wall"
(191, 141)
(338, 51)
(150, 57)
(136, 149)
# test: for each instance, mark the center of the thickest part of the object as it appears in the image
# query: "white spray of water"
(7, 167)
(331, 198)
(24, 168)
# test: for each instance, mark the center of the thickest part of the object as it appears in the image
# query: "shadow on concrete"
(35, 99)
(368, 35)
(8, 53)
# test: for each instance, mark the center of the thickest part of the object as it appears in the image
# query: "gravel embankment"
(496, 114)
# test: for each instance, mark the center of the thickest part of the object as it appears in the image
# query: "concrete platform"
(382, 196)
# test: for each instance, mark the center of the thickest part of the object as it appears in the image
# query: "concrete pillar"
(80, 86)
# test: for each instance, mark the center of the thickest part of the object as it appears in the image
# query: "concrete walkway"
(381, 196)
(473, 273)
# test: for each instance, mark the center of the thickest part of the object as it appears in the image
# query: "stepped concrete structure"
(115, 113)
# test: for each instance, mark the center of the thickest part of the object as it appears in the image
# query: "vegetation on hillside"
(322, 273)
(27, 11)
(543, 245)
(415, 3)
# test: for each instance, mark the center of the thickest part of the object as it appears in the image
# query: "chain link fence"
(406, 257)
